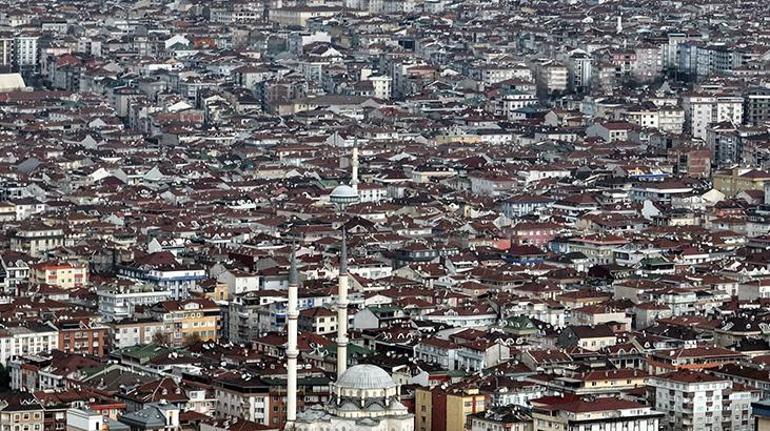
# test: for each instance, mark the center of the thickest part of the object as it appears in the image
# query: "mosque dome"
(343, 194)
(365, 377)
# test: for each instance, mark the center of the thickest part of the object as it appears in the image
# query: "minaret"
(342, 310)
(354, 176)
(619, 28)
(291, 349)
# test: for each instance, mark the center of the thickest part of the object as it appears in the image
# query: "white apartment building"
(671, 119)
(702, 110)
(36, 238)
(16, 341)
(659, 192)
(695, 401)
(6, 51)
(607, 414)
(244, 397)
(383, 86)
(551, 77)
(118, 303)
(84, 420)
(238, 282)
(179, 279)
(127, 333)
(643, 116)
(371, 192)
(26, 52)
(16, 271)
(666, 118)
(513, 101)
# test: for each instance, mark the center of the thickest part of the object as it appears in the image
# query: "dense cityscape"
(384, 215)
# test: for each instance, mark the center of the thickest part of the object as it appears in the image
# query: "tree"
(161, 338)
(192, 339)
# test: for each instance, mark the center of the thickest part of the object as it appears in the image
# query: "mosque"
(344, 195)
(364, 397)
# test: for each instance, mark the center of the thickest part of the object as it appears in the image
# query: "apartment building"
(447, 408)
(701, 110)
(571, 413)
(35, 238)
(245, 396)
(118, 302)
(131, 332)
(63, 275)
(694, 400)
(188, 320)
(20, 412)
(16, 341)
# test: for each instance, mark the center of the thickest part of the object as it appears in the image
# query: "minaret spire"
(291, 349)
(354, 175)
(342, 309)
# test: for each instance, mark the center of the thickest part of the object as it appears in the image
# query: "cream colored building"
(63, 275)
(761, 415)
(20, 412)
(738, 180)
(185, 320)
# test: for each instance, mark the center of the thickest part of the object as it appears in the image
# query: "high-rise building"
(26, 53)
(580, 67)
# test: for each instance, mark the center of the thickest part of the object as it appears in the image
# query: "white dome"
(366, 377)
(344, 191)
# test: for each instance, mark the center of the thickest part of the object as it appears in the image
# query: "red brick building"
(82, 336)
